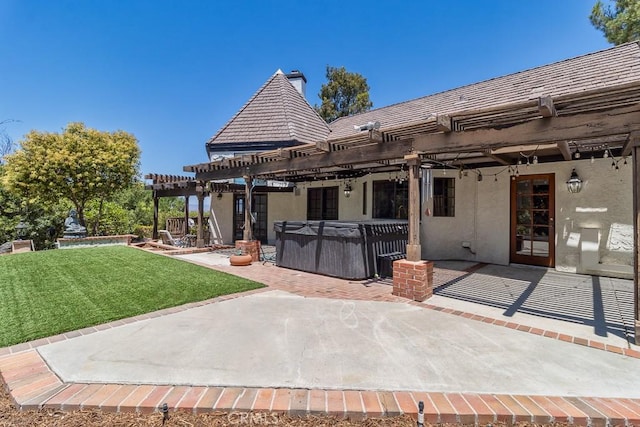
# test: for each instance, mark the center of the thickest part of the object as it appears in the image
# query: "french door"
(259, 208)
(533, 220)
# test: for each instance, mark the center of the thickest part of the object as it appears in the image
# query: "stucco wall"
(481, 219)
(605, 203)
(285, 206)
(221, 219)
(482, 213)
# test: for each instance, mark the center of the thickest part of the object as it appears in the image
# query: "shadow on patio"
(601, 303)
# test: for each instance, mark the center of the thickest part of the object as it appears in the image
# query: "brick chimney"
(298, 80)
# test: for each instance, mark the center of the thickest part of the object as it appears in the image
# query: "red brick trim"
(33, 386)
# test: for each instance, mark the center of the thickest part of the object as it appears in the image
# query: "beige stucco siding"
(482, 213)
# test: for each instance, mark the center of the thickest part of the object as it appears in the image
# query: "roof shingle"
(611, 67)
(277, 112)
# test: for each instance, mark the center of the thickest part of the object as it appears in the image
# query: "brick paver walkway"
(33, 385)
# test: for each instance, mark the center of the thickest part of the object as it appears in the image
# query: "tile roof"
(611, 67)
(277, 112)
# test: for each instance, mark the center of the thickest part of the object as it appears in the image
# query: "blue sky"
(174, 72)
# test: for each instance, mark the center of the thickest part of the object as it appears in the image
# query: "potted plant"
(240, 259)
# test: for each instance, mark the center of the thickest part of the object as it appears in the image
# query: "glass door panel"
(532, 220)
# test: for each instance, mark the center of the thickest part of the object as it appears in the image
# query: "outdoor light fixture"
(165, 413)
(219, 196)
(420, 422)
(574, 185)
(368, 126)
(347, 189)
(21, 230)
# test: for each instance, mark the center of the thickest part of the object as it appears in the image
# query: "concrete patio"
(493, 343)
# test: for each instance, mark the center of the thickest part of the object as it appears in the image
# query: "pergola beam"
(444, 123)
(498, 158)
(563, 146)
(324, 146)
(535, 132)
(632, 141)
(284, 153)
(546, 107)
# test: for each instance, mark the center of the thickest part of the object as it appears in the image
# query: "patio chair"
(167, 239)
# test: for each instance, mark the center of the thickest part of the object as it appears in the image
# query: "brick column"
(249, 247)
(413, 279)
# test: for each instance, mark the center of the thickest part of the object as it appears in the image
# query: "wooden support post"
(154, 234)
(247, 234)
(185, 227)
(200, 236)
(636, 240)
(414, 250)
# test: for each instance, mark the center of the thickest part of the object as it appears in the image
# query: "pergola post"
(247, 234)
(154, 234)
(185, 227)
(414, 250)
(636, 239)
(200, 238)
(413, 277)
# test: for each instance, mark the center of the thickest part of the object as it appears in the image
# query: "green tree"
(79, 165)
(620, 24)
(344, 94)
(44, 221)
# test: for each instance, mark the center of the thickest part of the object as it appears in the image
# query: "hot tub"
(345, 249)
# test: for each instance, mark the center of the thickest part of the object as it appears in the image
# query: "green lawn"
(49, 292)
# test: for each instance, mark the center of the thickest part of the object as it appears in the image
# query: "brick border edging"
(629, 352)
(33, 386)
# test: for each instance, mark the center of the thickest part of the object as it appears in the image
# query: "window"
(444, 196)
(390, 199)
(322, 203)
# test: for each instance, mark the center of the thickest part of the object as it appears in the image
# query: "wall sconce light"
(574, 185)
(219, 196)
(347, 189)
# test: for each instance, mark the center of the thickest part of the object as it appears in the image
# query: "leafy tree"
(620, 24)
(344, 94)
(138, 203)
(79, 165)
(44, 221)
(107, 218)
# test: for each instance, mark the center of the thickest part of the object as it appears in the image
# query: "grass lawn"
(50, 292)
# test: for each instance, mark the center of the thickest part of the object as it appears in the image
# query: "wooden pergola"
(594, 121)
(184, 186)
(178, 186)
